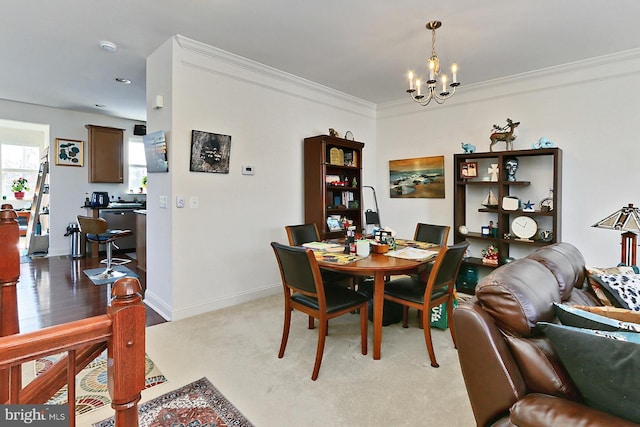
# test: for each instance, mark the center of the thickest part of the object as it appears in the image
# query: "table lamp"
(626, 220)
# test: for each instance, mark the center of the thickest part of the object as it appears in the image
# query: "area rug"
(91, 382)
(94, 271)
(196, 404)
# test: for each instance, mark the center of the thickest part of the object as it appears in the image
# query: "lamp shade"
(625, 219)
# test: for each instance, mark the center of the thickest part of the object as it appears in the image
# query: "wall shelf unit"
(538, 177)
(332, 182)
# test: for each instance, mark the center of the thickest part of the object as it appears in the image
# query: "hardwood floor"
(55, 290)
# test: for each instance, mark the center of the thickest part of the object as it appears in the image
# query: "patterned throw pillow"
(578, 318)
(596, 288)
(625, 288)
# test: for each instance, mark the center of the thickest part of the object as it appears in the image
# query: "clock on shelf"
(524, 227)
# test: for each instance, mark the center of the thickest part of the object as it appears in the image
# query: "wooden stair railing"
(121, 331)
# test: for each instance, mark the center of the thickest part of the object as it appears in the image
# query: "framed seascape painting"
(210, 152)
(69, 152)
(421, 177)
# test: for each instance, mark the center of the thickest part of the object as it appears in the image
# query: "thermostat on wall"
(247, 170)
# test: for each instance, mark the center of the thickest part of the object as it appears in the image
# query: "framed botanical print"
(69, 152)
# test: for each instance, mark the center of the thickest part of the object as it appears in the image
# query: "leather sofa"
(512, 374)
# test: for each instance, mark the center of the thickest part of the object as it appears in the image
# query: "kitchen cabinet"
(533, 198)
(141, 239)
(106, 154)
(332, 182)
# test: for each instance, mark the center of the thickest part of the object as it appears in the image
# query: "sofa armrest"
(491, 375)
(541, 410)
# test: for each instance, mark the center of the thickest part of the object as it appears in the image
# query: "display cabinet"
(332, 183)
(514, 205)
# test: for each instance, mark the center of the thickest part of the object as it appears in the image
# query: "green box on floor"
(439, 315)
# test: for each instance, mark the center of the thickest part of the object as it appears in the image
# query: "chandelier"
(415, 87)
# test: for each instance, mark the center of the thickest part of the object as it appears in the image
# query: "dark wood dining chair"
(304, 291)
(438, 289)
(305, 233)
(430, 233)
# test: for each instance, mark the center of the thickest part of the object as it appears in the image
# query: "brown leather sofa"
(512, 374)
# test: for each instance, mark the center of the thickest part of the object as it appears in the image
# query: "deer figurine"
(507, 134)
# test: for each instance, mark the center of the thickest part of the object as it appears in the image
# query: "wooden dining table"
(379, 266)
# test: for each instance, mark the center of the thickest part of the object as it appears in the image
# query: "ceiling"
(50, 52)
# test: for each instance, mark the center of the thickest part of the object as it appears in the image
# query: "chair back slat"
(303, 233)
(447, 268)
(298, 268)
(430, 233)
(90, 225)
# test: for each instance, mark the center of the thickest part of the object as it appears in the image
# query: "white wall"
(68, 185)
(589, 109)
(219, 254)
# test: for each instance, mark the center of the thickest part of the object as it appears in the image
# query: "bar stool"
(97, 231)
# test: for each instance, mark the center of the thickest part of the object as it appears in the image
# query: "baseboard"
(167, 313)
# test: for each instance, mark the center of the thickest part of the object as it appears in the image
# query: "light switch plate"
(163, 202)
(194, 202)
(180, 201)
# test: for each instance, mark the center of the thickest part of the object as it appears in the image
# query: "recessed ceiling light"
(108, 46)
(123, 80)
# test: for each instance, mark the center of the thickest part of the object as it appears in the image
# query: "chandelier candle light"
(415, 87)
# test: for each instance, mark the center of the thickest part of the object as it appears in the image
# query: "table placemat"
(335, 258)
(415, 244)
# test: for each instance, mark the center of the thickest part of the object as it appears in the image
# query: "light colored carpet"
(236, 349)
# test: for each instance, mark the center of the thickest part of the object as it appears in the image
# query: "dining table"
(379, 266)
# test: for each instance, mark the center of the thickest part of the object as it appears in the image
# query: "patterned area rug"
(91, 382)
(94, 271)
(196, 404)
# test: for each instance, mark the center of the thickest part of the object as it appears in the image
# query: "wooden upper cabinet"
(106, 154)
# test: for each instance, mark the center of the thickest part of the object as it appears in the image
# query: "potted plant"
(19, 186)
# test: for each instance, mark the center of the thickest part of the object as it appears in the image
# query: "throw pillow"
(572, 316)
(595, 286)
(605, 366)
(625, 288)
(613, 313)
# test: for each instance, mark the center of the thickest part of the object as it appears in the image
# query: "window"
(16, 161)
(137, 165)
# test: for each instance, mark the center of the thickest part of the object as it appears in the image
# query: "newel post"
(9, 275)
(126, 350)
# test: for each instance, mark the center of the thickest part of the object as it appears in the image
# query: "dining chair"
(97, 231)
(304, 291)
(305, 233)
(438, 289)
(431, 233)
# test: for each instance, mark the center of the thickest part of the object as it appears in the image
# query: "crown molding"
(243, 69)
(602, 67)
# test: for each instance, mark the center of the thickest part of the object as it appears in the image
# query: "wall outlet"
(179, 201)
(194, 202)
